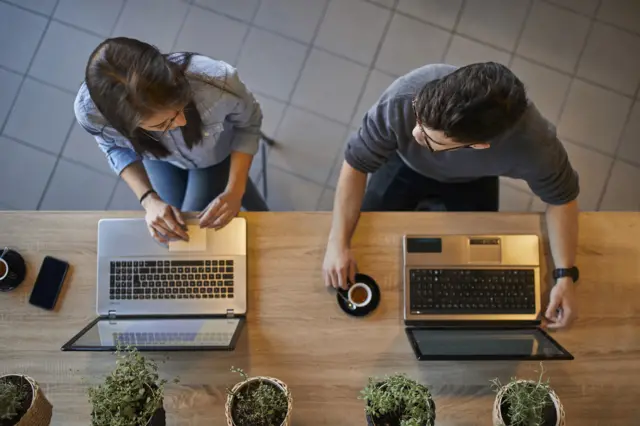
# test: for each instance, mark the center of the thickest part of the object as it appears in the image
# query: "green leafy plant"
(526, 400)
(130, 395)
(398, 397)
(258, 403)
(14, 391)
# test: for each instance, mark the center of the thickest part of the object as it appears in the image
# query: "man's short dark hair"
(475, 103)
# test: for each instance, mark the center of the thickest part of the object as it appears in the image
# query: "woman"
(180, 129)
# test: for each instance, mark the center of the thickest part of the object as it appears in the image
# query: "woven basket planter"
(280, 385)
(371, 421)
(40, 410)
(497, 413)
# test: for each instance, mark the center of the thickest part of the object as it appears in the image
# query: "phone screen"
(49, 282)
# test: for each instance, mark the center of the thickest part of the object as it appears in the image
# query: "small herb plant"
(258, 403)
(526, 400)
(130, 395)
(400, 399)
(14, 391)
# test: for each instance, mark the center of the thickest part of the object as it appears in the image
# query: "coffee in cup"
(359, 295)
(4, 269)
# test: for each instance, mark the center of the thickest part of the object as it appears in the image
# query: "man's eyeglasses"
(429, 140)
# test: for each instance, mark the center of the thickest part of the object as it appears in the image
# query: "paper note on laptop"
(197, 240)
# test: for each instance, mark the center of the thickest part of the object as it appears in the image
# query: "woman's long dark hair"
(129, 80)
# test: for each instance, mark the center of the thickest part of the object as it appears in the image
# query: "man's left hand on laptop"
(562, 309)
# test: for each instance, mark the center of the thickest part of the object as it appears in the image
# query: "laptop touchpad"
(485, 250)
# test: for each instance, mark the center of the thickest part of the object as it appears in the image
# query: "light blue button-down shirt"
(231, 121)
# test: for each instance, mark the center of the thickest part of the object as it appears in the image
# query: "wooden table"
(297, 333)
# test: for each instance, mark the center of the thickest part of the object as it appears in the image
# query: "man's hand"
(562, 308)
(165, 222)
(339, 266)
(221, 210)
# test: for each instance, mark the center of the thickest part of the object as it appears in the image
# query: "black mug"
(12, 269)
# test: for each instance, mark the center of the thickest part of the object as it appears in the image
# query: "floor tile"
(520, 184)
(404, 48)
(593, 116)
(623, 13)
(270, 64)
(20, 32)
(464, 52)
(332, 182)
(538, 206)
(82, 147)
(98, 16)
(202, 27)
(271, 114)
(326, 200)
(385, 3)
(554, 36)
(290, 193)
(439, 12)
(74, 187)
(9, 83)
(307, 145)
(353, 29)
(630, 145)
(612, 58)
(241, 9)
(545, 87)
(154, 21)
(41, 6)
(593, 169)
(330, 85)
(623, 192)
(62, 56)
(27, 169)
(294, 18)
(583, 6)
(124, 198)
(497, 22)
(42, 116)
(377, 83)
(513, 200)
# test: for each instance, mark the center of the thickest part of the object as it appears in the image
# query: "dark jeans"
(193, 189)
(396, 187)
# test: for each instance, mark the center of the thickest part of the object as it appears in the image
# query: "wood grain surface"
(297, 333)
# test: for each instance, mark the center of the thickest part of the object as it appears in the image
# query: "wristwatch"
(574, 273)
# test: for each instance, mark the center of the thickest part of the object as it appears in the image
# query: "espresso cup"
(4, 269)
(359, 295)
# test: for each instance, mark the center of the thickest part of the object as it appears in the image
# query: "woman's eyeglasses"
(166, 129)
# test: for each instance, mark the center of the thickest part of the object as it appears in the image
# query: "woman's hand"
(165, 222)
(221, 210)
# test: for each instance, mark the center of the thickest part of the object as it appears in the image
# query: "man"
(438, 139)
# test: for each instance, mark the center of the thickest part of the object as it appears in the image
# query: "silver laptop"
(190, 297)
(469, 297)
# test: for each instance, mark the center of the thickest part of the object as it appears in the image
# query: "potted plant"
(22, 402)
(258, 401)
(132, 395)
(398, 401)
(527, 403)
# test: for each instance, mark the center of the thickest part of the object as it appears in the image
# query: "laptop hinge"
(112, 315)
(229, 313)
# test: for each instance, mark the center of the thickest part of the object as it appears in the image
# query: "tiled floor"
(316, 66)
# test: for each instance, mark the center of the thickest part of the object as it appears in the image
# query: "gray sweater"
(529, 151)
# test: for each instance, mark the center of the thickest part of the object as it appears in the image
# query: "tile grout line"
(181, 26)
(374, 59)
(452, 31)
(521, 33)
(120, 12)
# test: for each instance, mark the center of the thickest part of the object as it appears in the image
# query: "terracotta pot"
(497, 411)
(40, 410)
(280, 385)
(371, 422)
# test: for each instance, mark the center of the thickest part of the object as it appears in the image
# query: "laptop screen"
(165, 334)
(449, 343)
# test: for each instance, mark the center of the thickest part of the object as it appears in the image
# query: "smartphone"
(49, 283)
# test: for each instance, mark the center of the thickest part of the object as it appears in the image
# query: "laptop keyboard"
(171, 279)
(169, 338)
(472, 291)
